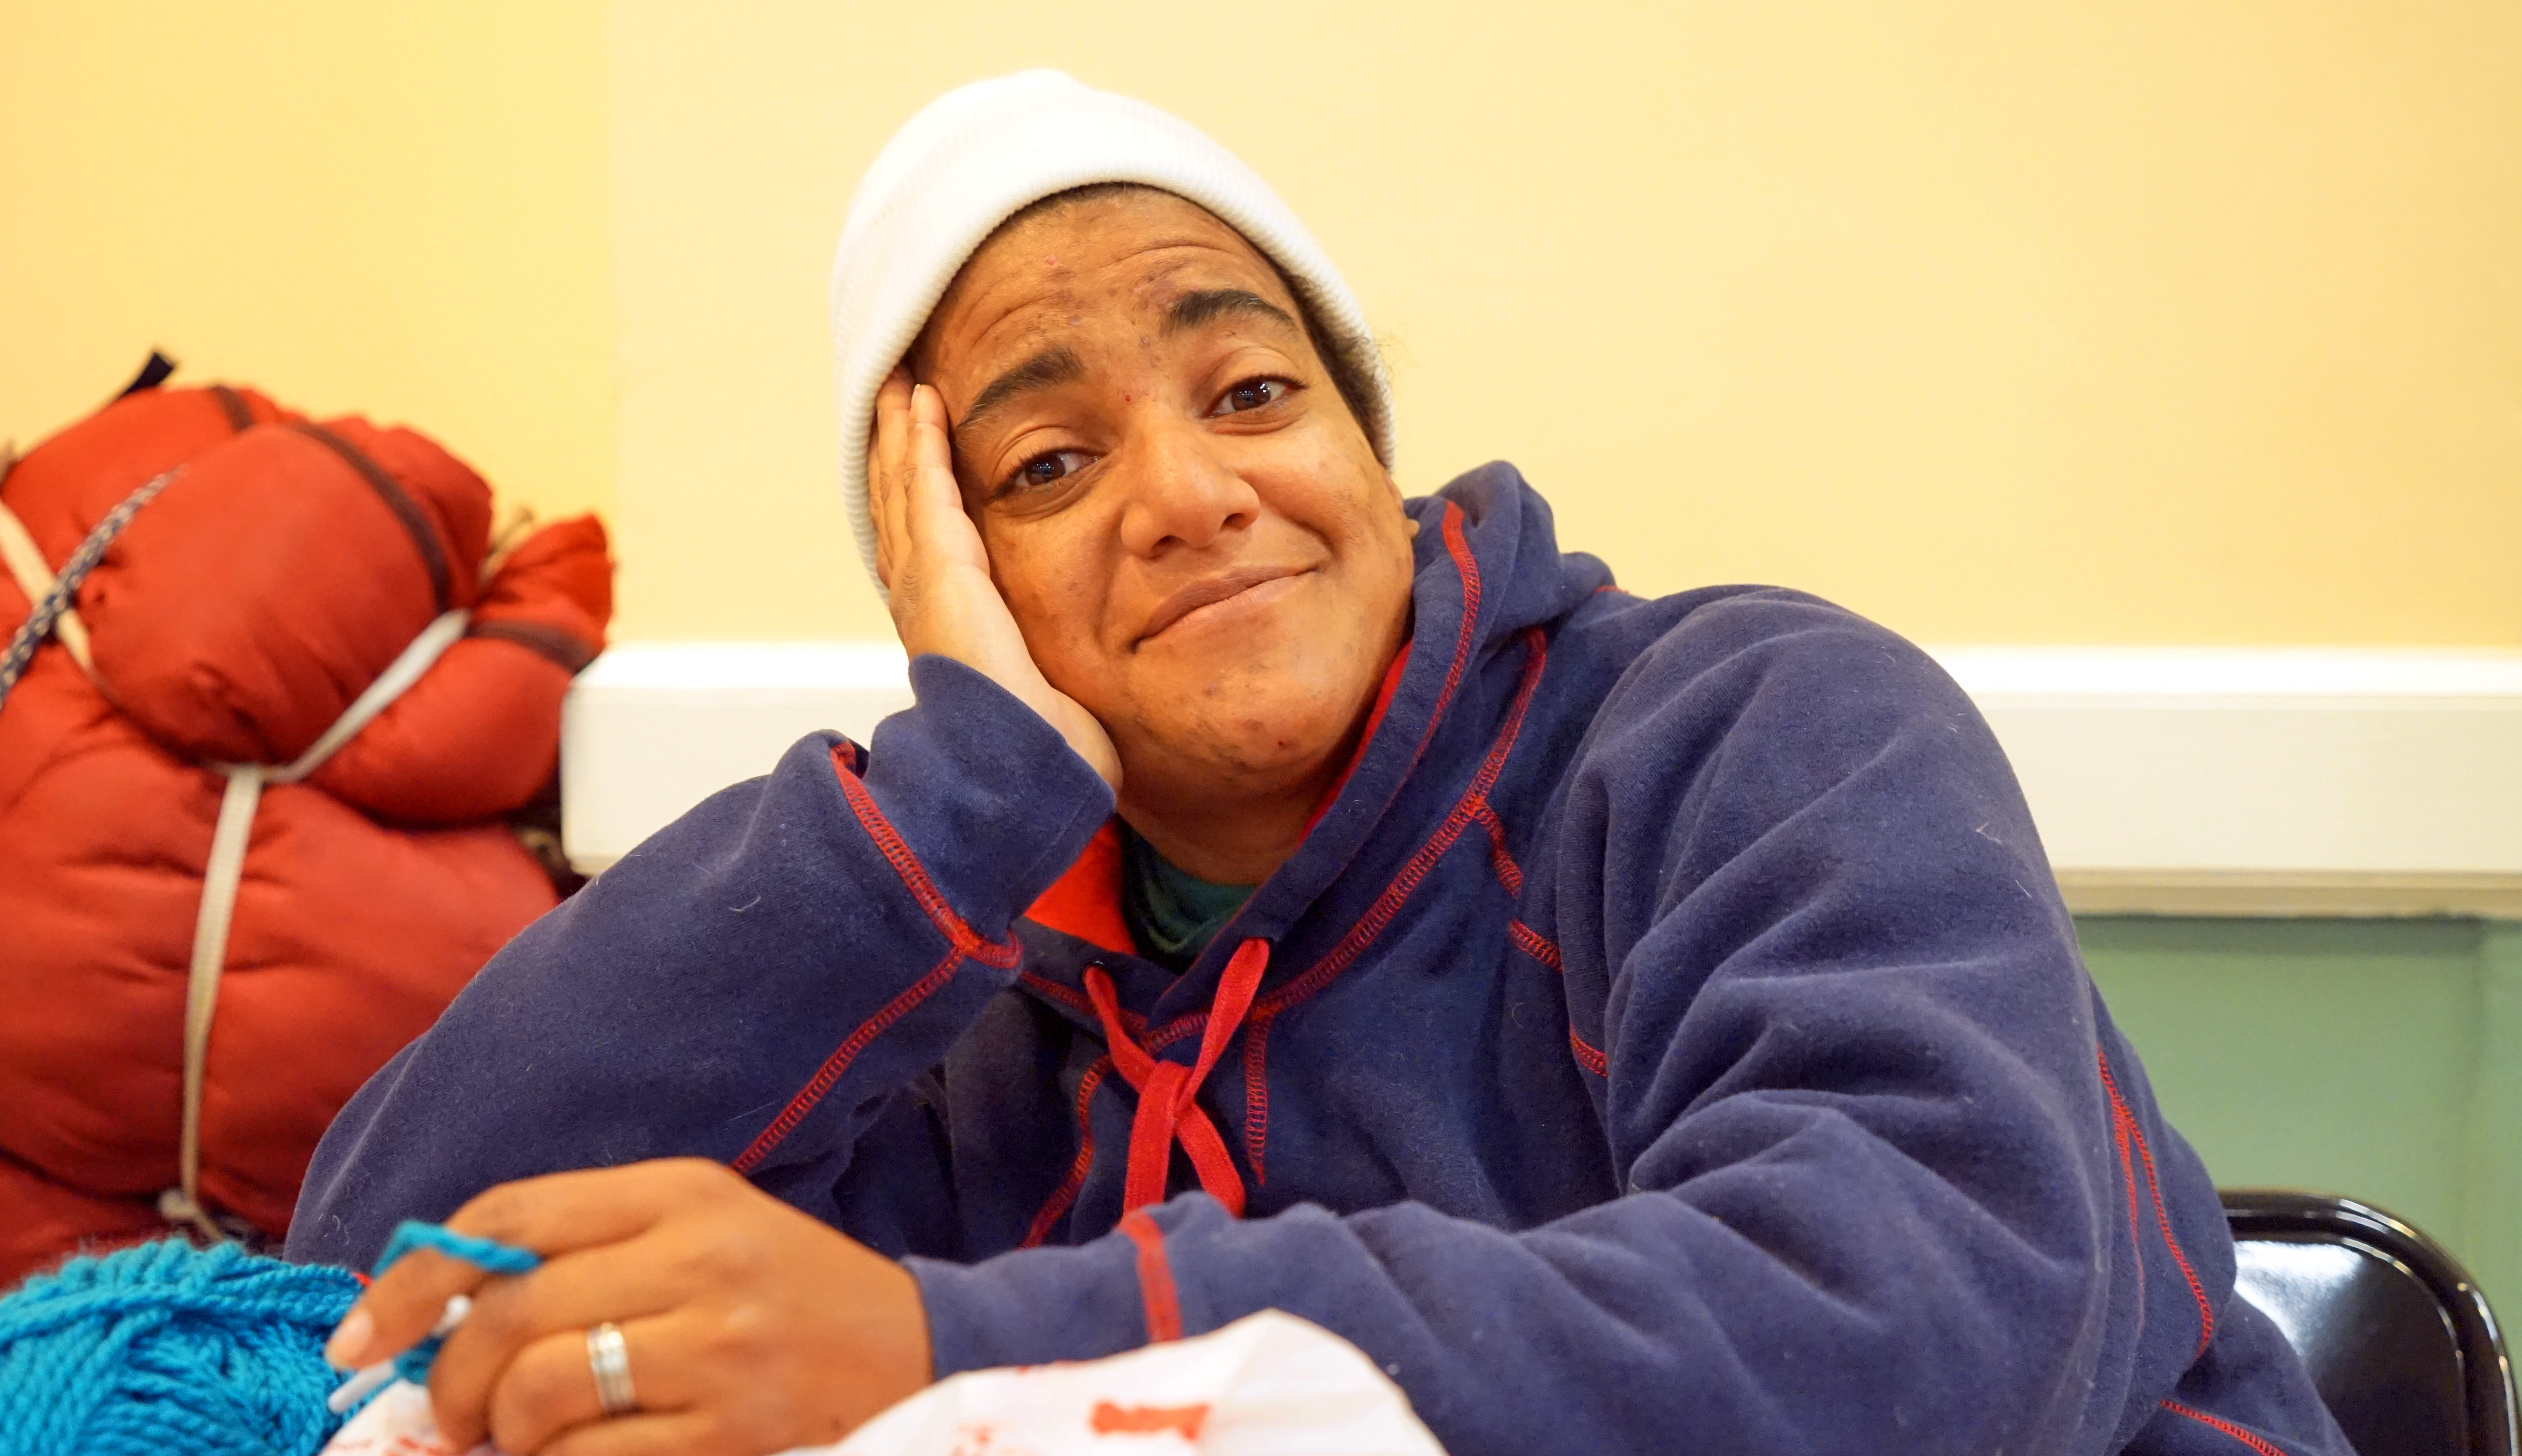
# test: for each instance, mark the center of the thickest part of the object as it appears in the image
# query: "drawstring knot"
(1169, 1110)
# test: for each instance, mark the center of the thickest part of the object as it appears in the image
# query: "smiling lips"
(1210, 592)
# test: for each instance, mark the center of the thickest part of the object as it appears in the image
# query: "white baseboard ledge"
(2167, 781)
(2290, 894)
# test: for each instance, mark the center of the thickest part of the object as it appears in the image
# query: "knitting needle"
(372, 1378)
(359, 1387)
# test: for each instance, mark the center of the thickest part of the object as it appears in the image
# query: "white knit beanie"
(977, 155)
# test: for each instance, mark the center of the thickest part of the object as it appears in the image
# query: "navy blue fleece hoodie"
(1671, 1039)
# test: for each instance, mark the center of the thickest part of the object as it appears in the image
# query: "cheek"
(1340, 495)
(1050, 581)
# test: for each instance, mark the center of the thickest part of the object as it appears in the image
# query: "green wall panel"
(2379, 1059)
(2496, 1121)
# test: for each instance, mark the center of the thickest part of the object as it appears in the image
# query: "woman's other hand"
(750, 1327)
(936, 574)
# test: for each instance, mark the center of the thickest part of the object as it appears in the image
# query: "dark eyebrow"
(1056, 365)
(1208, 305)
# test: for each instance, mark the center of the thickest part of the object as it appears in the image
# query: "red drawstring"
(1168, 1109)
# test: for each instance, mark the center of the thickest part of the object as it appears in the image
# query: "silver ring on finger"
(608, 1355)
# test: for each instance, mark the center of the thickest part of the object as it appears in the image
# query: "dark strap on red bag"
(66, 582)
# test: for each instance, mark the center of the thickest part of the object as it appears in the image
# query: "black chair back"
(2399, 1342)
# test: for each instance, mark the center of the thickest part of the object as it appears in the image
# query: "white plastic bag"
(1268, 1384)
(398, 1423)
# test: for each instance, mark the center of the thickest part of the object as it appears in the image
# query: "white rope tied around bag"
(182, 1203)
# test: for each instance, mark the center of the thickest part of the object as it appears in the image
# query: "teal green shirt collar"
(1172, 914)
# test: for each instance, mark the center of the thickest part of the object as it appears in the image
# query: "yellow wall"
(2143, 322)
(393, 208)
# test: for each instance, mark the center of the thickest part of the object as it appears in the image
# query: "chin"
(1260, 720)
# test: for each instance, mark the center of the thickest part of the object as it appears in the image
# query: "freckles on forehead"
(1131, 242)
(1092, 265)
(1007, 281)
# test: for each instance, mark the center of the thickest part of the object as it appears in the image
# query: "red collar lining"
(1085, 901)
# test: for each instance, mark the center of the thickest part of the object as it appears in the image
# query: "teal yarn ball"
(165, 1349)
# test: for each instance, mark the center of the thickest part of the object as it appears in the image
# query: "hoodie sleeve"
(1845, 1060)
(764, 983)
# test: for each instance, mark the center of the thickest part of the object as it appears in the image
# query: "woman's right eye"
(1047, 469)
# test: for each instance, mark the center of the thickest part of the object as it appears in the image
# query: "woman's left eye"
(1252, 394)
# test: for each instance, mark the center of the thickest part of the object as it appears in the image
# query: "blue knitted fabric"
(487, 1254)
(166, 1347)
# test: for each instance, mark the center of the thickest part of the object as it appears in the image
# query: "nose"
(1182, 494)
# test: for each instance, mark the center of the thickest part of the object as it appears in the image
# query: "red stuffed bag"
(242, 609)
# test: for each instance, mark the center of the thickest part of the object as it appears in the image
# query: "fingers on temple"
(894, 394)
(888, 459)
(932, 446)
(890, 443)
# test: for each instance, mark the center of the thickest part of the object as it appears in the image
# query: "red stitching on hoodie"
(1469, 568)
(1257, 1092)
(1155, 1277)
(2219, 1423)
(1541, 948)
(1586, 1055)
(2128, 1175)
(1501, 859)
(839, 1061)
(1176, 1029)
(2162, 1219)
(2162, 1222)
(1474, 803)
(914, 876)
(1534, 944)
(1064, 1196)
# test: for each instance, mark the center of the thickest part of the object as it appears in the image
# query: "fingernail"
(349, 1341)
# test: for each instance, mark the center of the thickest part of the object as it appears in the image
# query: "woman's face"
(1186, 520)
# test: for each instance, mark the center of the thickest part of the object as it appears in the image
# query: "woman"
(1635, 1023)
